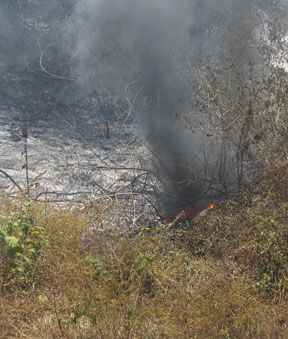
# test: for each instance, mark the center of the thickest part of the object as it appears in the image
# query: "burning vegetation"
(189, 212)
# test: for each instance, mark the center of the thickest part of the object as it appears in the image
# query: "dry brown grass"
(224, 277)
(250, 229)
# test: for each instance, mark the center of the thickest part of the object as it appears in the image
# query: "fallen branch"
(9, 177)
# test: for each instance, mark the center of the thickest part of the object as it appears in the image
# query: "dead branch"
(11, 179)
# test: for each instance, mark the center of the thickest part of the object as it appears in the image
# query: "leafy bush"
(21, 242)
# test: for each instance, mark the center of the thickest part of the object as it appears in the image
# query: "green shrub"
(21, 245)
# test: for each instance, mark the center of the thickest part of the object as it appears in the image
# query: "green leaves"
(97, 267)
(11, 242)
(141, 263)
(2, 236)
(23, 241)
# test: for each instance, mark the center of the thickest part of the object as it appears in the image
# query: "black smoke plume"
(156, 47)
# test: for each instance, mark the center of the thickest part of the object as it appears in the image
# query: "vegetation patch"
(223, 276)
(251, 230)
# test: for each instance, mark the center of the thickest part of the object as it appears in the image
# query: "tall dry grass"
(222, 277)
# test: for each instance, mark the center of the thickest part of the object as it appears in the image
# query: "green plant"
(21, 241)
(275, 253)
(144, 259)
(96, 266)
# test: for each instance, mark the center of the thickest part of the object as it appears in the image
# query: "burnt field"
(81, 150)
(165, 111)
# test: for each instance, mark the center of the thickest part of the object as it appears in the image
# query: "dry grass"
(224, 277)
(250, 229)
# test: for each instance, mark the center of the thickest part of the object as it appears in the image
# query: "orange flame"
(188, 212)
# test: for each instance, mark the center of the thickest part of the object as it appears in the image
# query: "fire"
(189, 212)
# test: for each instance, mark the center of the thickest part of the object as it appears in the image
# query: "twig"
(25, 136)
(59, 320)
(51, 74)
(10, 178)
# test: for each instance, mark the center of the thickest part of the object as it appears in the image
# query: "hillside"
(224, 275)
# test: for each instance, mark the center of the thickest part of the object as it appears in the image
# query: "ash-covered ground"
(79, 150)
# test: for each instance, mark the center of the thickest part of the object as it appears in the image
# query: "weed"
(22, 241)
